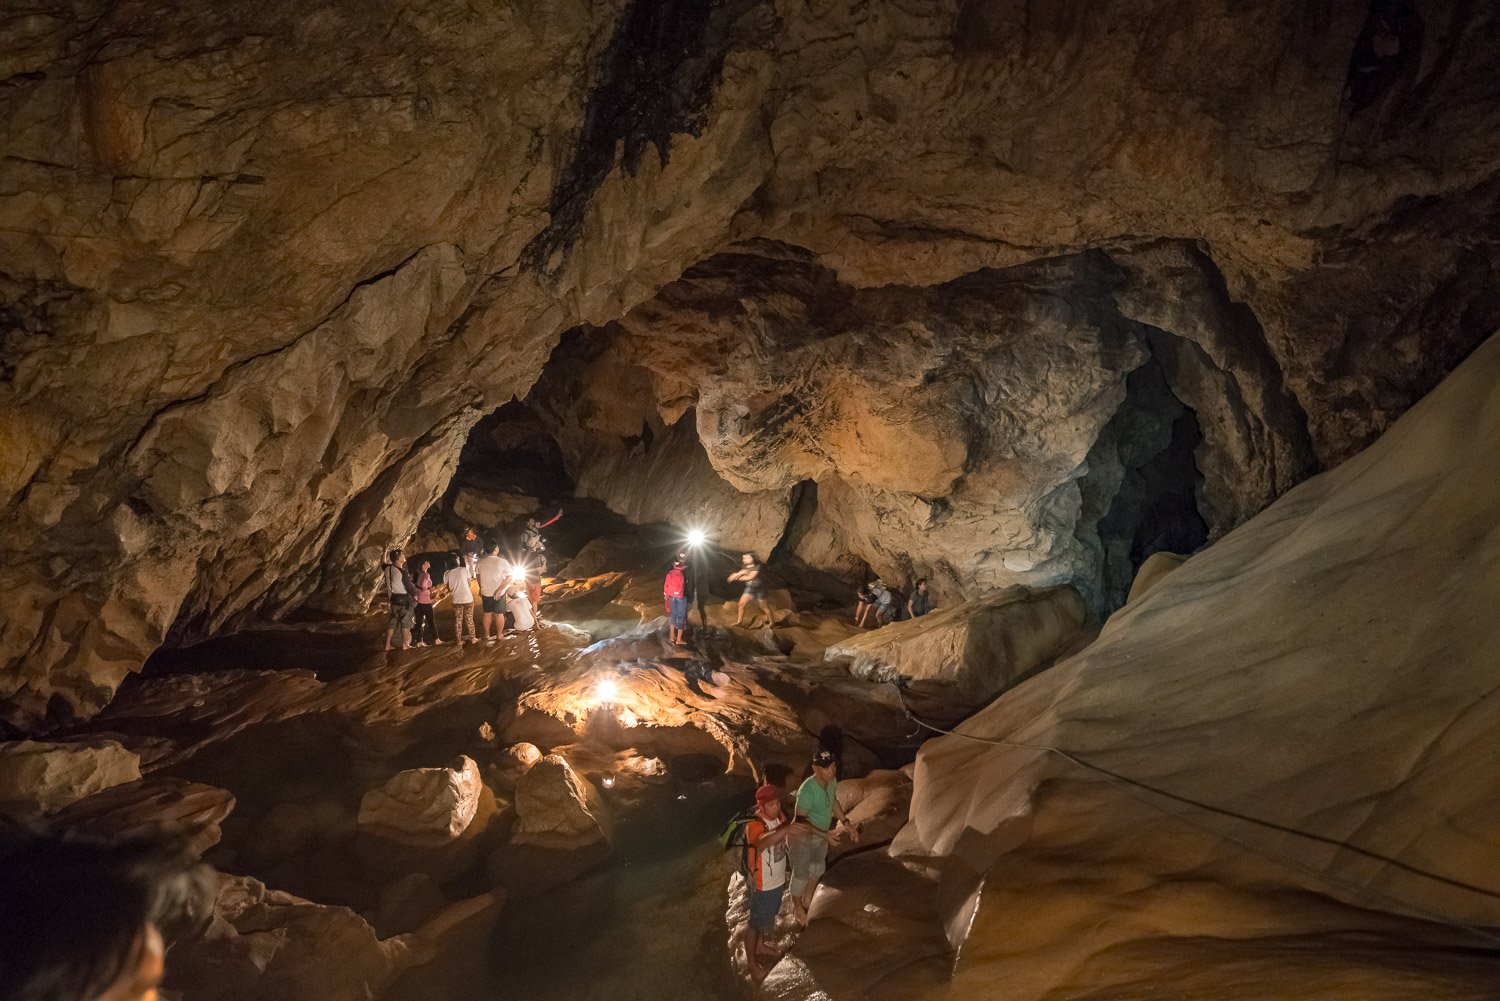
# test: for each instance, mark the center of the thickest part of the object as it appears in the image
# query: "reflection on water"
(647, 927)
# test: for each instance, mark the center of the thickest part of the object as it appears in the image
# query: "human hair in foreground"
(81, 914)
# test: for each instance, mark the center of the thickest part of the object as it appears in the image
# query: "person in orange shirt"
(765, 836)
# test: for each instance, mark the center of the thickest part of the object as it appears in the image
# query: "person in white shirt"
(523, 619)
(398, 589)
(494, 578)
(462, 596)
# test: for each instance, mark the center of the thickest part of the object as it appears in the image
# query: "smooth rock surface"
(982, 646)
(1276, 766)
(552, 808)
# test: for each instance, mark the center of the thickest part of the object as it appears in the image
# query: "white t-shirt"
(395, 580)
(519, 606)
(772, 860)
(457, 580)
(493, 574)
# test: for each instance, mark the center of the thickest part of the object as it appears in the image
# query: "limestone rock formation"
(191, 810)
(982, 647)
(47, 776)
(426, 819)
(263, 269)
(1272, 767)
(552, 809)
(265, 943)
(487, 509)
(432, 805)
(1153, 572)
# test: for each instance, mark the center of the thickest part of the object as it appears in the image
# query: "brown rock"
(552, 808)
(982, 647)
(48, 777)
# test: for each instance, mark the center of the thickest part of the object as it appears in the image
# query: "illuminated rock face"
(263, 268)
(1307, 706)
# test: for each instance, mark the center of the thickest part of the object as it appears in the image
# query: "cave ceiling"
(1003, 279)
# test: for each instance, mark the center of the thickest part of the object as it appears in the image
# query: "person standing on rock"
(494, 576)
(765, 839)
(920, 602)
(462, 597)
(471, 546)
(885, 604)
(674, 590)
(423, 621)
(536, 559)
(398, 589)
(753, 574)
(818, 804)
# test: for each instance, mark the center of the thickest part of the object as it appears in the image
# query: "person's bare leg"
(744, 600)
(389, 634)
(406, 639)
(751, 939)
(766, 608)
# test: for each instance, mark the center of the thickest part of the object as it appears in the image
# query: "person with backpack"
(398, 589)
(818, 805)
(764, 866)
(674, 590)
(462, 597)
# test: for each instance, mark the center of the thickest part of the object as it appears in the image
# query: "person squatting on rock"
(398, 590)
(494, 576)
(518, 603)
(82, 917)
(818, 804)
(462, 597)
(753, 574)
(422, 613)
(674, 590)
(920, 602)
(765, 836)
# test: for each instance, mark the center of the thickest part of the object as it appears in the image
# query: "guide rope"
(1134, 789)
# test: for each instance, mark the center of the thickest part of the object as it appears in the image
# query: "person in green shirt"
(818, 805)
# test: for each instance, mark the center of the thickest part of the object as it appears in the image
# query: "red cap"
(767, 794)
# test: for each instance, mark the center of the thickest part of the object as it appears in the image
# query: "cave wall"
(262, 266)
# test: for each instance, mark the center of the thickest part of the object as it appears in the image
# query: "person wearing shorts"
(494, 576)
(817, 804)
(398, 590)
(753, 574)
(765, 840)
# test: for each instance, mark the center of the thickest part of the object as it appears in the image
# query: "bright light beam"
(696, 537)
(606, 691)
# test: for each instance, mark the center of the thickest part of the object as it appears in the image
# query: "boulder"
(189, 809)
(552, 808)
(263, 943)
(426, 819)
(43, 777)
(982, 646)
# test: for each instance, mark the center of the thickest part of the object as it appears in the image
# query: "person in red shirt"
(765, 837)
(674, 590)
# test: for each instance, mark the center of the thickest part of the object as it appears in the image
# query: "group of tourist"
(509, 593)
(876, 604)
(786, 843)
